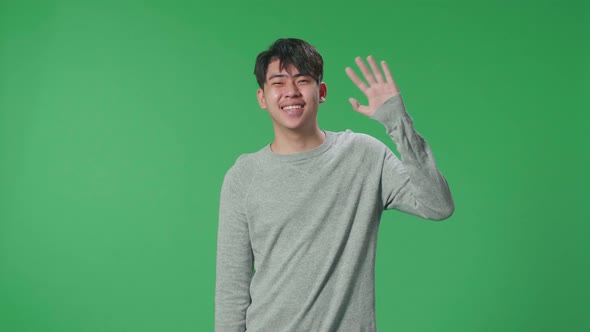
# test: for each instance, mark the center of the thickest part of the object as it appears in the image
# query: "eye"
(276, 83)
(304, 81)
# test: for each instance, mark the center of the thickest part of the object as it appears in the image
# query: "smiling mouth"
(292, 107)
(293, 110)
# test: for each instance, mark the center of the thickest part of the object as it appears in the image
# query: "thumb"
(355, 104)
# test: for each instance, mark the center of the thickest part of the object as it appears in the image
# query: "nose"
(291, 90)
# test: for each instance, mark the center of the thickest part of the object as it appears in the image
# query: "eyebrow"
(283, 75)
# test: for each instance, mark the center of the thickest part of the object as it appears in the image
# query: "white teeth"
(292, 107)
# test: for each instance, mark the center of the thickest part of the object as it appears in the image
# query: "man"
(298, 219)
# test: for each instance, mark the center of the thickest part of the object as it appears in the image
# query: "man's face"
(291, 99)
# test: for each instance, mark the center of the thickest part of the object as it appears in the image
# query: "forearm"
(232, 297)
(426, 192)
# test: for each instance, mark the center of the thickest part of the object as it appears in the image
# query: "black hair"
(290, 51)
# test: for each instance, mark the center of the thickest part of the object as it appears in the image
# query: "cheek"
(313, 94)
(268, 99)
(273, 98)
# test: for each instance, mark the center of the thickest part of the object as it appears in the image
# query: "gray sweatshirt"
(297, 233)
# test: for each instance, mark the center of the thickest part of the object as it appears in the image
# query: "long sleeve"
(234, 259)
(413, 185)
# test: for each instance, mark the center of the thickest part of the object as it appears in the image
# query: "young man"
(298, 219)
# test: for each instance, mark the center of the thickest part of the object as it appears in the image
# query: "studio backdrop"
(119, 119)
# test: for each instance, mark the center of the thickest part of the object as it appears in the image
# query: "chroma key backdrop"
(119, 119)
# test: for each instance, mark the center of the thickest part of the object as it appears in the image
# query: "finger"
(375, 69)
(365, 70)
(355, 79)
(387, 72)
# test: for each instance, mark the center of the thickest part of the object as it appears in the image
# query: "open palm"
(378, 89)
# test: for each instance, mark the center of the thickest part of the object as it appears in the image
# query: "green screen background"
(119, 119)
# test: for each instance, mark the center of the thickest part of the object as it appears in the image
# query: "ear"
(323, 92)
(261, 100)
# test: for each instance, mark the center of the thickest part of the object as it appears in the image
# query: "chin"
(289, 126)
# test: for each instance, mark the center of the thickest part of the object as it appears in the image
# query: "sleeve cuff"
(390, 112)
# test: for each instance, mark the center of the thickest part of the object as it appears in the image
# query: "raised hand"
(378, 90)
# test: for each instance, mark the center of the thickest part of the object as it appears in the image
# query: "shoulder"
(364, 142)
(243, 168)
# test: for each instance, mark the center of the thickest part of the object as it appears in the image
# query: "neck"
(290, 141)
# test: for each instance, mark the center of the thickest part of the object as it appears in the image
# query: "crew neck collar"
(326, 144)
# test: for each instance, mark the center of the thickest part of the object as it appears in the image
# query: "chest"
(298, 202)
